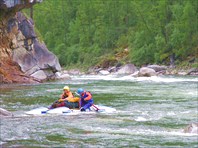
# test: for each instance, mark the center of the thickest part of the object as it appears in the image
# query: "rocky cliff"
(23, 58)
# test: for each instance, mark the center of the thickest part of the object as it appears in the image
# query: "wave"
(166, 79)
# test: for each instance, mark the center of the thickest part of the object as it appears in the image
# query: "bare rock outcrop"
(23, 58)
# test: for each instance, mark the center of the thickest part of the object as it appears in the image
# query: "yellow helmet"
(66, 88)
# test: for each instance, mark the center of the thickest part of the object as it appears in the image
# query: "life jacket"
(67, 94)
(85, 95)
(86, 104)
(74, 99)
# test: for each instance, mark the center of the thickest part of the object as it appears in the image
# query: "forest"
(83, 32)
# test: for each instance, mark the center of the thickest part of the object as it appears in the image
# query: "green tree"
(79, 32)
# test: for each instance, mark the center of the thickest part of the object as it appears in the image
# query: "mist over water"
(151, 112)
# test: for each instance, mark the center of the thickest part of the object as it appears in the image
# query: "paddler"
(86, 100)
(67, 99)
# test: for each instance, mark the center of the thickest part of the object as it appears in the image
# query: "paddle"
(97, 109)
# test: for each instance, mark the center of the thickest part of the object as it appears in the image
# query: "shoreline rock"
(192, 128)
(5, 113)
(145, 71)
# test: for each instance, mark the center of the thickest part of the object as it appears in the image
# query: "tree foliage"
(80, 31)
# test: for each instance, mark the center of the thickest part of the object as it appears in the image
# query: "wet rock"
(146, 72)
(192, 128)
(74, 72)
(183, 73)
(157, 68)
(39, 75)
(135, 74)
(127, 69)
(113, 69)
(5, 113)
(193, 71)
(62, 75)
(104, 72)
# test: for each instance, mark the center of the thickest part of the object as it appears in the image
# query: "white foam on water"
(168, 80)
(131, 78)
(141, 119)
(165, 133)
(142, 131)
(147, 118)
(171, 113)
(53, 90)
(1, 143)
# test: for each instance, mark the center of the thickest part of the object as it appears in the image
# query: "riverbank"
(135, 71)
(128, 69)
(119, 63)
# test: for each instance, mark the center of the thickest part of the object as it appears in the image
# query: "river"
(151, 112)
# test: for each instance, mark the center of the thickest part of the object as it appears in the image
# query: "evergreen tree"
(79, 32)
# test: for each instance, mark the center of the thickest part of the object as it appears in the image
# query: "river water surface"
(151, 112)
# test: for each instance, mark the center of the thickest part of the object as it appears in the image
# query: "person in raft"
(67, 99)
(86, 100)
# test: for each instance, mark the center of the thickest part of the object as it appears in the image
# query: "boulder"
(192, 128)
(157, 68)
(146, 72)
(74, 72)
(127, 69)
(135, 74)
(183, 73)
(62, 75)
(193, 71)
(113, 69)
(32, 70)
(40, 75)
(104, 72)
(5, 113)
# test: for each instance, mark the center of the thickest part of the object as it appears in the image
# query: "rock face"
(22, 57)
